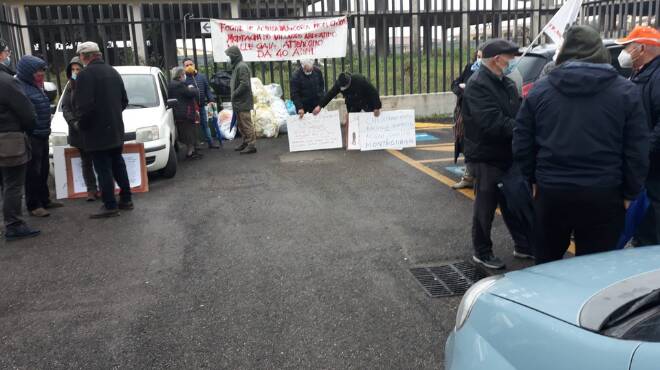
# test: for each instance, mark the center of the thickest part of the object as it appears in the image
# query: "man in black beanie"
(582, 139)
(359, 94)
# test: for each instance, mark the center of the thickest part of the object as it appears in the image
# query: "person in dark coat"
(101, 99)
(204, 97)
(185, 111)
(72, 117)
(17, 118)
(458, 87)
(307, 87)
(582, 139)
(31, 73)
(360, 95)
(242, 100)
(642, 55)
(490, 105)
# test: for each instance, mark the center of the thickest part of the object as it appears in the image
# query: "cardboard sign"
(280, 40)
(390, 130)
(314, 132)
(69, 181)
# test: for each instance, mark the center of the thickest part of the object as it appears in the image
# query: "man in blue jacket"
(582, 138)
(201, 83)
(31, 74)
(642, 55)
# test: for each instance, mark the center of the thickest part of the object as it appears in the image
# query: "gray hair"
(177, 73)
(307, 62)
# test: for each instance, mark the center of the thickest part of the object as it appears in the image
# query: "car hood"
(133, 119)
(561, 288)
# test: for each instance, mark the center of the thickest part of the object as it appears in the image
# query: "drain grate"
(448, 280)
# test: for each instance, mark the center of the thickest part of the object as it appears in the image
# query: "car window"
(648, 330)
(141, 90)
(530, 67)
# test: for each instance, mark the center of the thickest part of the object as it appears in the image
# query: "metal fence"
(403, 46)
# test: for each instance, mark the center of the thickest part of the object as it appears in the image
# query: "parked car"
(531, 65)
(599, 312)
(148, 118)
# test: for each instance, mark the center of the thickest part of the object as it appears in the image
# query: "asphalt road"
(276, 260)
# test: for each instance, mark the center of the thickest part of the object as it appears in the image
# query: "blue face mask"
(509, 68)
(74, 76)
(7, 61)
(476, 65)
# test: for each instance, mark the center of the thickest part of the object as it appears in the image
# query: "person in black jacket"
(101, 99)
(185, 111)
(72, 117)
(307, 87)
(490, 105)
(458, 87)
(359, 94)
(582, 139)
(17, 117)
(31, 74)
(642, 54)
(204, 97)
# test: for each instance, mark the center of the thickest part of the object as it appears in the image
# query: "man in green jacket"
(242, 101)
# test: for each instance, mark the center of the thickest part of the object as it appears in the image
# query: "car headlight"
(58, 139)
(470, 298)
(145, 134)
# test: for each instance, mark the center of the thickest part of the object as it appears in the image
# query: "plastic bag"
(275, 90)
(290, 107)
(226, 131)
(265, 122)
(281, 114)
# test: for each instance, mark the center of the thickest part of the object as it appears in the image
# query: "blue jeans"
(206, 130)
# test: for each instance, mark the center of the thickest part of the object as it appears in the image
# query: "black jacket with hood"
(648, 81)
(70, 109)
(583, 126)
(17, 113)
(307, 90)
(360, 95)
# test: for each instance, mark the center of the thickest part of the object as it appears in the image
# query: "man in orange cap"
(642, 54)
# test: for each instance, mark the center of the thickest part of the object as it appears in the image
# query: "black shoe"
(241, 147)
(249, 150)
(195, 155)
(19, 232)
(105, 213)
(52, 205)
(215, 146)
(126, 206)
(523, 254)
(489, 261)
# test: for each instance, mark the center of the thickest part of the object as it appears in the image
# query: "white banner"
(390, 130)
(314, 132)
(565, 16)
(277, 40)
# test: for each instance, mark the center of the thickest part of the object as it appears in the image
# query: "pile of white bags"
(270, 112)
(224, 121)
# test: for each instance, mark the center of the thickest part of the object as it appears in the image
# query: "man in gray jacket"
(242, 101)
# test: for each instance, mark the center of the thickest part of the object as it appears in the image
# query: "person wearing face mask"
(31, 74)
(642, 55)
(242, 100)
(307, 87)
(205, 96)
(490, 105)
(582, 139)
(359, 94)
(5, 55)
(458, 87)
(72, 117)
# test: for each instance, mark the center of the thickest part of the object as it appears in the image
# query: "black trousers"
(12, 181)
(488, 198)
(110, 167)
(89, 176)
(648, 232)
(37, 194)
(594, 216)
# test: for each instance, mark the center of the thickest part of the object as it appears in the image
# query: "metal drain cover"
(448, 280)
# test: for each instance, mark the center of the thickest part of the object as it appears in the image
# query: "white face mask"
(625, 59)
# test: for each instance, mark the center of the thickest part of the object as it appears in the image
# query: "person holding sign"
(307, 87)
(359, 94)
(242, 100)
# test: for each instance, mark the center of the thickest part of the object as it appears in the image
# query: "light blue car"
(598, 312)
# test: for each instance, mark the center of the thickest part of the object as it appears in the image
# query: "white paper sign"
(277, 40)
(390, 130)
(314, 132)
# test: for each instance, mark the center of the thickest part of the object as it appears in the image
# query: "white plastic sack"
(275, 90)
(224, 119)
(265, 123)
(281, 114)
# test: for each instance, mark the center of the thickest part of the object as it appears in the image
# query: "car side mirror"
(51, 90)
(172, 103)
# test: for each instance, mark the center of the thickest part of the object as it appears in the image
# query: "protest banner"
(69, 181)
(390, 130)
(314, 132)
(280, 40)
(565, 16)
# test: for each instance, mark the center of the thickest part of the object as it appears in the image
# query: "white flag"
(565, 16)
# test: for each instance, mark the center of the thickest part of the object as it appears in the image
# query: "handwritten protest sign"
(314, 132)
(391, 130)
(277, 40)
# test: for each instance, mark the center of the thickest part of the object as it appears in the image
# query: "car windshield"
(530, 67)
(141, 90)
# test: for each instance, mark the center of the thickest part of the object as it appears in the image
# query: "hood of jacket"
(645, 74)
(582, 79)
(235, 55)
(27, 67)
(74, 60)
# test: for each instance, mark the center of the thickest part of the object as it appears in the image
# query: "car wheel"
(170, 169)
